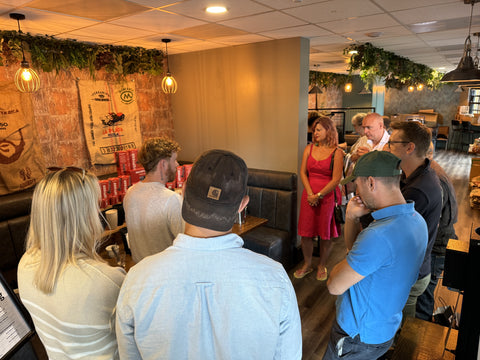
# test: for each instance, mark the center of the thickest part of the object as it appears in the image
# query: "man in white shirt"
(154, 213)
(375, 138)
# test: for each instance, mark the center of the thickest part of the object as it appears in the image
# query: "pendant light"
(169, 84)
(315, 88)
(26, 79)
(466, 70)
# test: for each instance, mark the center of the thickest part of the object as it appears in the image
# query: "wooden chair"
(442, 137)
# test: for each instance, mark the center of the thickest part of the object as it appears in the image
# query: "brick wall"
(58, 116)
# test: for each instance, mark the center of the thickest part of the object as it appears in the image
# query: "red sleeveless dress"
(319, 220)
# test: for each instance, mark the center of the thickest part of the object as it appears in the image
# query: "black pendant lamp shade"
(466, 70)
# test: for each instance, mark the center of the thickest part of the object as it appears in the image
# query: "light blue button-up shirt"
(208, 298)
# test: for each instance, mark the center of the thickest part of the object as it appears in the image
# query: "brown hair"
(328, 124)
(415, 132)
(155, 149)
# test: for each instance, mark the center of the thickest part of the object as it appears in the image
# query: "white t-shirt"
(154, 218)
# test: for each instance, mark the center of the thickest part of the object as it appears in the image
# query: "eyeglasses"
(396, 142)
(71, 168)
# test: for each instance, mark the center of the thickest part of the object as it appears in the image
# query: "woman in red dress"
(319, 181)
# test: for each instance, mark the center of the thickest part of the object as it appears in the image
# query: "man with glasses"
(153, 212)
(410, 141)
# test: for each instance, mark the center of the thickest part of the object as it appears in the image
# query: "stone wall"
(444, 101)
(58, 116)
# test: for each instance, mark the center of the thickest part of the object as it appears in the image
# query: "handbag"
(338, 210)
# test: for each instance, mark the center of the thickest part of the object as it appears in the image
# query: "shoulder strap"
(333, 156)
(311, 147)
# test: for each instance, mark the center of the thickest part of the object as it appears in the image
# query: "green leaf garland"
(51, 54)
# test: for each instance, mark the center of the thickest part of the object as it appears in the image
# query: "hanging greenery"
(327, 79)
(397, 71)
(49, 54)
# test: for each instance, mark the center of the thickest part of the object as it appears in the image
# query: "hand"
(362, 150)
(356, 209)
(312, 200)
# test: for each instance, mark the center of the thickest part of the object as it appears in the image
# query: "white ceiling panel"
(394, 5)
(307, 31)
(334, 10)
(432, 13)
(360, 23)
(158, 21)
(236, 8)
(264, 22)
(431, 31)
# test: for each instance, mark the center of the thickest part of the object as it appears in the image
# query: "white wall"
(250, 99)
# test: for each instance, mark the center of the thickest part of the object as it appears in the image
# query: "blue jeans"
(342, 346)
(426, 301)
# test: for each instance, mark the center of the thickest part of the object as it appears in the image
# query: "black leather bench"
(273, 196)
(14, 223)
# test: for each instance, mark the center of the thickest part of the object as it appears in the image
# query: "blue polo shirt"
(388, 253)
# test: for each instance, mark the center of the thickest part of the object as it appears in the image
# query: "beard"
(171, 172)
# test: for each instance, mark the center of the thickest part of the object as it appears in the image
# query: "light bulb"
(419, 87)
(348, 87)
(411, 88)
(169, 81)
(26, 75)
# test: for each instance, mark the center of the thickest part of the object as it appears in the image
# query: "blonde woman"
(69, 291)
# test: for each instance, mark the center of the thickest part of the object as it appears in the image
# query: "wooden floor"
(317, 306)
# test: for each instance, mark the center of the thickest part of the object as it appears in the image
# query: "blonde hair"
(65, 223)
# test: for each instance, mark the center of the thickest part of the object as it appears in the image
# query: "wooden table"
(424, 340)
(251, 222)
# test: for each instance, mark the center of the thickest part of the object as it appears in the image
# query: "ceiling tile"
(158, 21)
(360, 23)
(307, 31)
(106, 31)
(236, 8)
(243, 39)
(92, 9)
(432, 13)
(264, 22)
(209, 31)
(286, 4)
(39, 22)
(393, 5)
(334, 10)
(384, 33)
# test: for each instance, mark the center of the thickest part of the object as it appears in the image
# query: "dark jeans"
(342, 346)
(426, 301)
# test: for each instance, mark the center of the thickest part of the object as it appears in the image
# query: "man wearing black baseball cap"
(206, 297)
(382, 264)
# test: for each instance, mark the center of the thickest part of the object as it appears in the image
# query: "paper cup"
(112, 218)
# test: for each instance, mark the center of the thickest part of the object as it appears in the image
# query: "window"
(474, 101)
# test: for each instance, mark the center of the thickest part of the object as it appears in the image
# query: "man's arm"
(342, 277)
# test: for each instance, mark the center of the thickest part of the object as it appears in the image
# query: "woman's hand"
(312, 200)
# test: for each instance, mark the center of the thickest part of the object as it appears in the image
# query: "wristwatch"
(319, 194)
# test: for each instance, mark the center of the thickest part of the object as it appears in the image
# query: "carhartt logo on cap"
(214, 193)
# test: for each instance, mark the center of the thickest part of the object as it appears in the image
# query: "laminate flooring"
(317, 306)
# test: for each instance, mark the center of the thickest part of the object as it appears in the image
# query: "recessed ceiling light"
(216, 9)
(425, 23)
(374, 34)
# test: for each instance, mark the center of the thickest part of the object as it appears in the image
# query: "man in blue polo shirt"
(382, 264)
